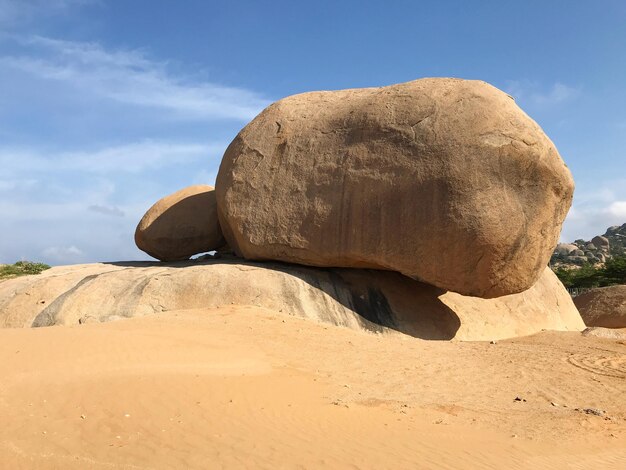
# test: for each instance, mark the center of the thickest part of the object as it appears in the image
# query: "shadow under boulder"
(379, 301)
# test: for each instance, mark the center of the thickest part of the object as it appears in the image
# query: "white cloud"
(594, 210)
(618, 209)
(130, 78)
(91, 137)
(66, 230)
(128, 158)
(52, 202)
(91, 200)
(42, 211)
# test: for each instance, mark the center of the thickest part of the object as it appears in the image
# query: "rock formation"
(565, 249)
(606, 333)
(444, 180)
(605, 307)
(600, 242)
(380, 301)
(596, 251)
(429, 207)
(181, 225)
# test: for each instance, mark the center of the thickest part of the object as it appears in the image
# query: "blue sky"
(108, 105)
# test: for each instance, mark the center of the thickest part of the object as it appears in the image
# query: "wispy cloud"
(537, 95)
(131, 78)
(89, 199)
(106, 210)
(16, 11)
(559, 93)
(128, 158)
(17, 185)
(91, 137)
(617, 209)
(65, 254)
(594, 210)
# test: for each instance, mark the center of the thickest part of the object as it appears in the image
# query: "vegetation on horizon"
(21, 268)
(613, 272)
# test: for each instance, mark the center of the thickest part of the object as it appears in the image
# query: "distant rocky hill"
(595, 251)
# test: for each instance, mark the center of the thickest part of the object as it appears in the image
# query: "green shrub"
(613, 272)
(22, 268)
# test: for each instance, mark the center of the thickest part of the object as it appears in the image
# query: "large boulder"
(605, 307)
(380, 301)
(605, 333)
(180, 225)
(565, 249)
(600, 242)
(447, 181)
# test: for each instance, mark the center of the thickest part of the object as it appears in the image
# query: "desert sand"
(246, 387)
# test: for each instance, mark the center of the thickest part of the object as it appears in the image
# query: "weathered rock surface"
(180, 225)
(606, 333)
(447, 181)
(360, 299)
(605, 306)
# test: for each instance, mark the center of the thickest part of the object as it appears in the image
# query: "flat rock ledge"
(369, 300)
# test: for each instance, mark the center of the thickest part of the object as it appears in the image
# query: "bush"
(22, 268)
(585, 276)
(613, 272)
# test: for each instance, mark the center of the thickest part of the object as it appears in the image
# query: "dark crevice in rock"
(48, 316)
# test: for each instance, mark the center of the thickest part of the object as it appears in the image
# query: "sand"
(243, 387)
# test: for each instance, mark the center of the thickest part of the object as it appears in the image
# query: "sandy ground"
(242, 387)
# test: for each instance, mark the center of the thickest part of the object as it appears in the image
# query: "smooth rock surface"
(181, 225)
(447, 181)
(604, 307)
(380, 301)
